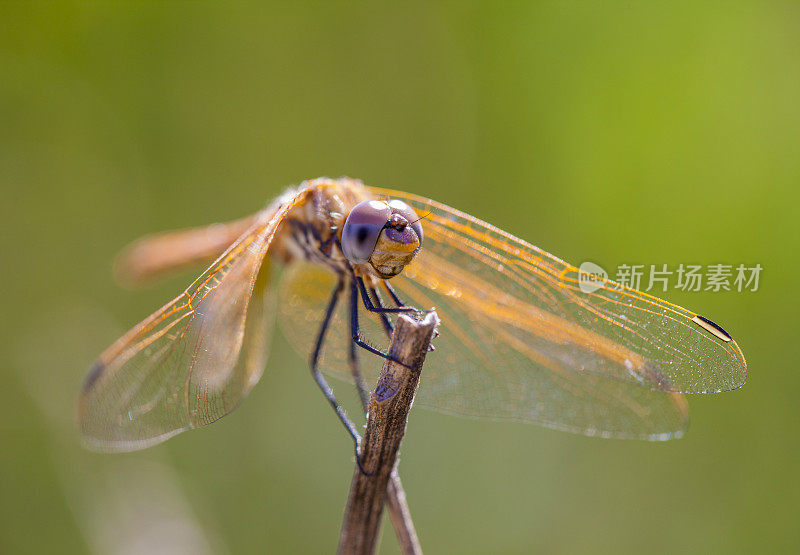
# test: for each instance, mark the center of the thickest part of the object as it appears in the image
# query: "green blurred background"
(607, 132)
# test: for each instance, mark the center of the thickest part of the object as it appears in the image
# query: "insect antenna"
(425, 215)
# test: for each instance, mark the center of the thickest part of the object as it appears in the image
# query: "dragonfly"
(334, 261)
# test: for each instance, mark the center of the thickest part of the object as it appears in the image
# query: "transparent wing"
(526, 343)
(304, 293)
(192, 361)
(483, 368)
(519, 340)
(161, 254)
(612, 332)
(475, 373)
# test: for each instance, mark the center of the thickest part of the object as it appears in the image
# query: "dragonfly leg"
(355, 329)
(358, 377)
(323, 384)
(382, 309)
(369, 305)
(387, 324)
(397, 301)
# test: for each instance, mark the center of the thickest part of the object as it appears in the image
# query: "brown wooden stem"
(400, 515)
(389, 406)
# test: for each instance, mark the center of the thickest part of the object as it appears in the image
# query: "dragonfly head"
(385, 235)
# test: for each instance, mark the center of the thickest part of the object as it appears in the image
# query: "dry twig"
(386, 424)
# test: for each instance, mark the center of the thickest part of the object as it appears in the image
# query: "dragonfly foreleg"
(369, 305)
(396, 299)
(385, 320)
(355, 329)
(387, 325)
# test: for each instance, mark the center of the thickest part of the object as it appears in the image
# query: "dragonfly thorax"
(340, 224)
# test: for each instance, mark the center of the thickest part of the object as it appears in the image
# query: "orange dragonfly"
(520, 340)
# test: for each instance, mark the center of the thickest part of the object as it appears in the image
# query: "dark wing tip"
(712, 327)
(94, 374)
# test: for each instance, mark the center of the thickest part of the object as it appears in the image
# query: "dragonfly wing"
(472, 373)
(484, 369)
(155, 256)
(192, 361)
(529, 344)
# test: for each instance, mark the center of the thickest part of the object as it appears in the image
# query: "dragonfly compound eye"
(400, 207)
(362, 229)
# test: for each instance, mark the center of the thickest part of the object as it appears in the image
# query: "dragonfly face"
(386, 235)
(519, 340)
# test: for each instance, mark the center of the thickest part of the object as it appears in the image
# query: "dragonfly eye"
(400, 207)
(362, 229)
